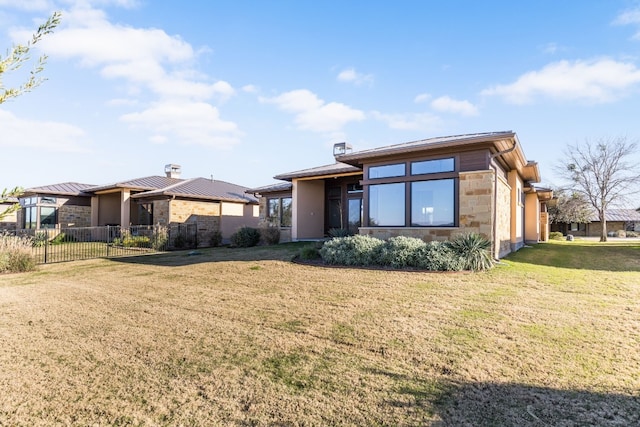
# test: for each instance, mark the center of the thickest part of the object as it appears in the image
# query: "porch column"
(95, 211)
(125, 207)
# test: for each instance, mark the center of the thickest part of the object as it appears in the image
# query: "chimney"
(172, 171)
(341, 148)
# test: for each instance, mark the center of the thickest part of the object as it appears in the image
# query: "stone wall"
(427, 234)
(205, 214)
(74, 216)
(476, 202)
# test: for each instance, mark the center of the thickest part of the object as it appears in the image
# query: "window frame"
(279, 218)
(409, 178)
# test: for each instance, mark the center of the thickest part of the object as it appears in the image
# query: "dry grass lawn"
(244, 337)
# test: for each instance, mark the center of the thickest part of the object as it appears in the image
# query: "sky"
(244, 90)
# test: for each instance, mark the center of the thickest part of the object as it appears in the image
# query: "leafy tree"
(569, 206)
(6, 194)
(17, 56)
(602, 172)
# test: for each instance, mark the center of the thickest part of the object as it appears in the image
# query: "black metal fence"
(70, 244)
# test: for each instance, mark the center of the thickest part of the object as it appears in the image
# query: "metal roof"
(202, 188)
(618, 215)
(279, 186)
(334, 169)
(144, 183)
(63, 189)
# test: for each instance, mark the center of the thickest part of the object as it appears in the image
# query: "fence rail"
(70, 244)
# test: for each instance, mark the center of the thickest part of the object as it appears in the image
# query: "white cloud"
(551, 48)
(595, 81)
(630, 17)
(31, 5)
(423, 97)
(144, 57)
(45, 136)
(250, 89)
(314, 114)
(350, 75)
(422, 121)
(195, 123)
(449, 105)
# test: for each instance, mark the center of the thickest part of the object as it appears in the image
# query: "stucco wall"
(308, 210)
(503, 218)
(237, 215)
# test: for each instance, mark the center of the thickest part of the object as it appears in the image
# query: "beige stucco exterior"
(307, 209)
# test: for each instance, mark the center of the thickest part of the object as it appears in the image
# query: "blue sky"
(245, 90)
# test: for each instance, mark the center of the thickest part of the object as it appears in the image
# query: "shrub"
(556, 235)
(40, 239)
(399, 252)
(270, 234)
(339, 232)
(15, 254)
(351, 250)
(245, 237)
(62, 238)
(310, 252)
(474, 250)
(621, 233)
(438, 256)
(632, 234)
(216, 239)
(159, 238)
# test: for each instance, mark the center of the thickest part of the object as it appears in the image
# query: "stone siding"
(205, 214)
(476, 202)
(427, 234)
(74, 216)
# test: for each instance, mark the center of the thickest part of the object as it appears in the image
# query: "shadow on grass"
(491, 404)
(584, 255)
(281, 252)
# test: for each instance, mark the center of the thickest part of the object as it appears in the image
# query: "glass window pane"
(273, 211)
(387, 171)
(432, 203)
(386, 205)
(47, 217)
(355, 215)
(48, 200)
(432, 166)
(286, 212)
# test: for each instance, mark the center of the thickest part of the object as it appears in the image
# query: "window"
(416, 193)
(387, 171)
(432, 203)
(279, 211)
(145, 214)
(39, 212)
(432, 166)
(574, 226)
(386, 205)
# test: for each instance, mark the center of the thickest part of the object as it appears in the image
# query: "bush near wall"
(15, 254)
(464, 252)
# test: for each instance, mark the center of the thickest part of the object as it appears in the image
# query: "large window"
(386, 205)
(416, 193)
(279, 211)
(39, 212)
(432, 203)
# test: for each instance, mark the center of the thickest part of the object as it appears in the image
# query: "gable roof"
(337, 168)
(62, 189)
(618, 215)
(145, 183)
(202, 188)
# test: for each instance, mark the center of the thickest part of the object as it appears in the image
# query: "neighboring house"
(617, 219)
(432, 189)
(154, 200)
(8, 223)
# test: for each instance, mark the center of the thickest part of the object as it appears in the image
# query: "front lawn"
(237, 337)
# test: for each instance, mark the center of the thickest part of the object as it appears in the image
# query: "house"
(617, 220)
(432, 189)
(212, 205)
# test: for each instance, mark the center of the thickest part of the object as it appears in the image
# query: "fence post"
(46, 250)
(107, 239)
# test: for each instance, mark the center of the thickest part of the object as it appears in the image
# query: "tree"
(602, 172)
(569, 206)
(17, 56)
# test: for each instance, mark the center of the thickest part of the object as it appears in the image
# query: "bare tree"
(569, 206)
(602, 171)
